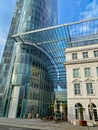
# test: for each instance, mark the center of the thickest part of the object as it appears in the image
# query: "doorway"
(78, 114)
(94, 112)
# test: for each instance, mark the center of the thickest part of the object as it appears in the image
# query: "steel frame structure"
(54, 40)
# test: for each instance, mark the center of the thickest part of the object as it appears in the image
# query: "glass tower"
(24, 74)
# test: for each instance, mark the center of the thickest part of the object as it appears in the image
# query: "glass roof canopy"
(54, 40)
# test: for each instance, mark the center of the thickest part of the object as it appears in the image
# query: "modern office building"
(28, 15)
(37, 66)
(74, 37)
(27, 84)
(82, 81)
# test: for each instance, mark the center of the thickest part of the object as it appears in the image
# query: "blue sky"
(69, 11)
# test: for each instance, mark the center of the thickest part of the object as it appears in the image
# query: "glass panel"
(76, 73)
(97, 70)
(77, 88)
(87, 72)
(89, 88)
(74, 56)
(96, 53)
(85, 55)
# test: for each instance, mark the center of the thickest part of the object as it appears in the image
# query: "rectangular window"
(74, 56)
(85, 55)
(89, 88)
(97, 70)
(87, 72)
(77, 88)
(96, 53)
(76, 73)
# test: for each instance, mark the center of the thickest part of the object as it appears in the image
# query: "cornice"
(81, 61)
(82, 48)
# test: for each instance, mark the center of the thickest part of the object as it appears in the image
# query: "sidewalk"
(40, 125)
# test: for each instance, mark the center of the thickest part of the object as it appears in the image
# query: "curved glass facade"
(28, 15)
(28, 85)
(30, 77)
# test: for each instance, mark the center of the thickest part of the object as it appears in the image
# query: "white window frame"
(74, 56)
(89, 89)
(77, 74)
(85, 54)
(87, 74)
(77, 89)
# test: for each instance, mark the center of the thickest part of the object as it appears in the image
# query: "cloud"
(91, 10)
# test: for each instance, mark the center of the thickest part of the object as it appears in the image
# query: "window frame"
(89, 89)
(74, 56)
(77, 89)
(76, 74)
(85, 54)
(97, 71)
(95, 53)
(87, 74)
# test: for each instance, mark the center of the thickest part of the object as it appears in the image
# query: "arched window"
(78, 114)
(92, 111)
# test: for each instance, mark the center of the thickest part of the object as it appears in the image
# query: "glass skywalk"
(54, 41)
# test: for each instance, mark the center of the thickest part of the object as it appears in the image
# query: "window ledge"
(78, 94)
(90, 94)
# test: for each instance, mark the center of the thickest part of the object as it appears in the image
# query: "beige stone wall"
(80, 63)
